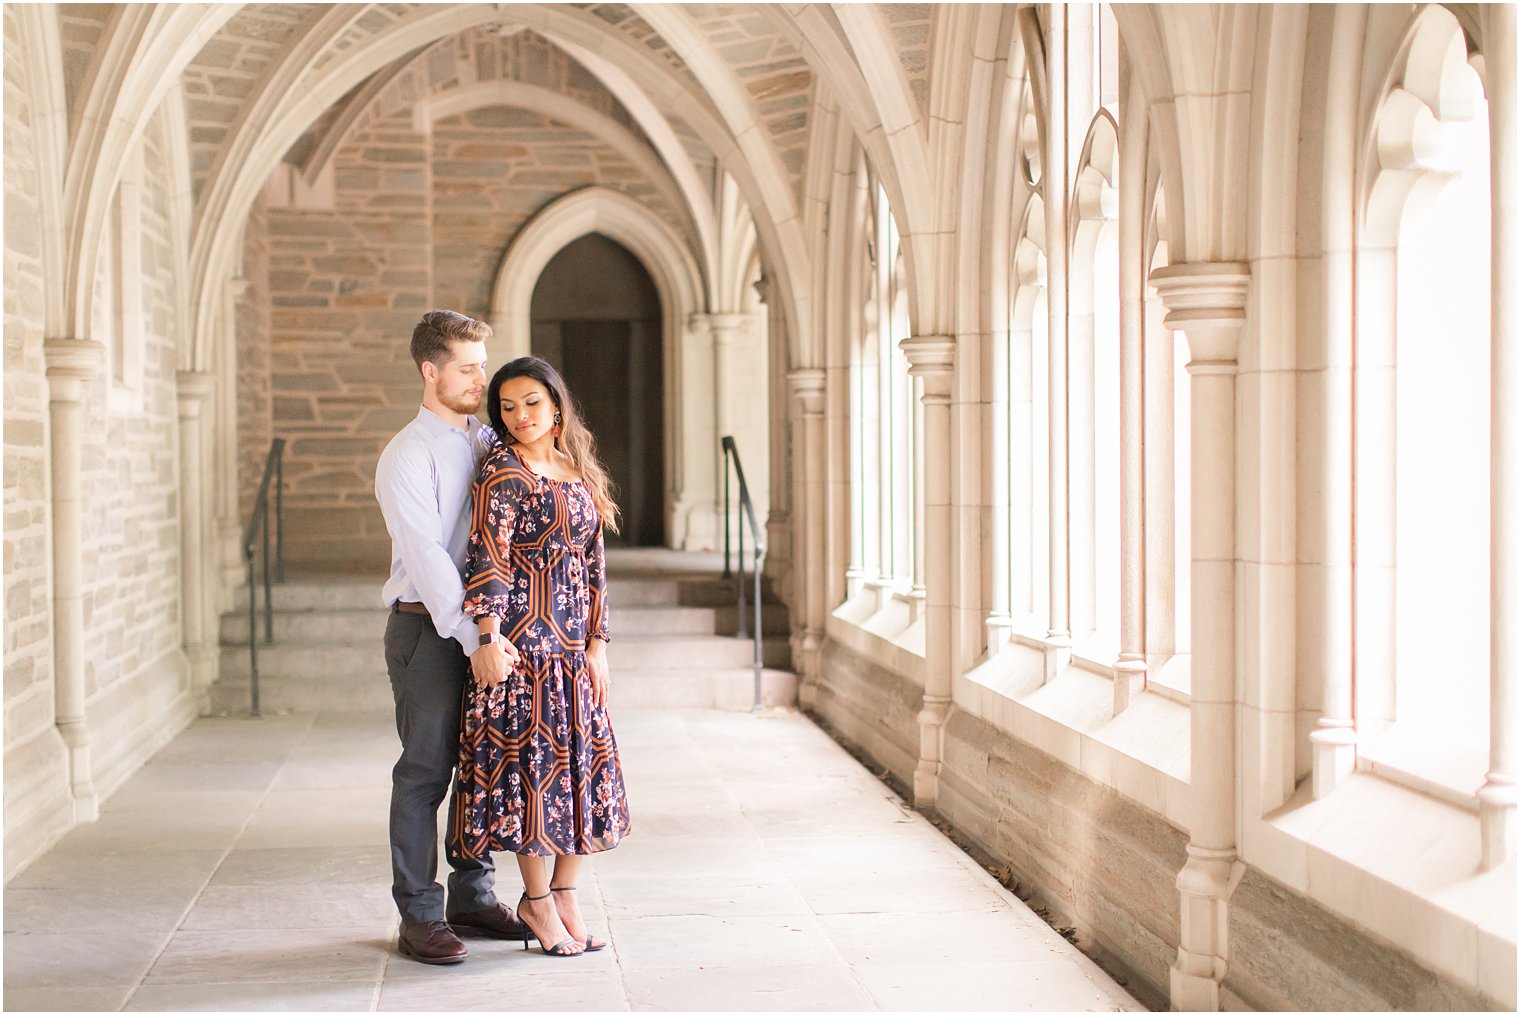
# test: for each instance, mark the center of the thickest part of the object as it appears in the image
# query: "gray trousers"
(427, 678)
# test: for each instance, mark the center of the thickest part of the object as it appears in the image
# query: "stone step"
(345, 662)
(366, 626)
(300, 594)
(728, 688)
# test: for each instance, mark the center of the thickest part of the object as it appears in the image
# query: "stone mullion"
(1130, 667)
(1497, 797)
(1333, 739)
(71, 365)
(1054, 177)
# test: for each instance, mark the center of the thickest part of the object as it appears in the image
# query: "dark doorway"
(596, 316)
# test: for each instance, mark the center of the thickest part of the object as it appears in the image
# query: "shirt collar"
(436, 424)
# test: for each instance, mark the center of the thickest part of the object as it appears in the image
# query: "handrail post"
(279, 513)
(253, 637)
(268, 587)
(759, 662)
(727, 571)
(740, 586)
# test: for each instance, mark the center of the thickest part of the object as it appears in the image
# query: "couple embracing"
(496, 648)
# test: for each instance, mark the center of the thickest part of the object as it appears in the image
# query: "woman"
(539, 774)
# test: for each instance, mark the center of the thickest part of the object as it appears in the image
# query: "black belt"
(401, 607)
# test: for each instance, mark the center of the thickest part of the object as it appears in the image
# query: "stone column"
(197, 623)
(1058, 639)
(71, 365)
(931, 360)
(1130, 667)
(778, 553)
(724, 329)
(1496, 799)
(221, 454)
(810, 482)
(1207, 302)
(1327, 532)
(998, 623)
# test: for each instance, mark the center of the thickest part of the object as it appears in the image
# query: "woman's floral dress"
(538, 765)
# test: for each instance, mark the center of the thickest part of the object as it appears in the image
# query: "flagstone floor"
(245, 868)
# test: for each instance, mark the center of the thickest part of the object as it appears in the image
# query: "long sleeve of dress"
(489, 577)
(597, 625)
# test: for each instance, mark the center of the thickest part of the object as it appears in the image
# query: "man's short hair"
(438, 330)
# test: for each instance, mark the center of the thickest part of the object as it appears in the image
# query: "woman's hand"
(596, 660)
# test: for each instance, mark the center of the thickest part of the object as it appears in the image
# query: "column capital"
(192, 388)
(720, 321)
(807, 387)
(73, 358)
(71, 364)
(931, 358)
(1206, 300)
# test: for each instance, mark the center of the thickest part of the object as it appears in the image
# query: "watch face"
(486, 639)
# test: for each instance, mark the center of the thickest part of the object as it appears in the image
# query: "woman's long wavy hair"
(574, 440)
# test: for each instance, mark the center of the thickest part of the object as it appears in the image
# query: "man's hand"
(491, 664)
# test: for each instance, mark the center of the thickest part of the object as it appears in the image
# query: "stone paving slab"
(246, 869)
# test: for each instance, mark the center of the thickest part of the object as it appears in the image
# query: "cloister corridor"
(1115, 408)
(246, 867)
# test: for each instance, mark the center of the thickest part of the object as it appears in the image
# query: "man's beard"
(462, 402)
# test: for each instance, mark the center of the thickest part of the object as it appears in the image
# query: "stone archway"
(688, 430)
(596, 317)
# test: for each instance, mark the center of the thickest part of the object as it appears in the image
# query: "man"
(423, 484)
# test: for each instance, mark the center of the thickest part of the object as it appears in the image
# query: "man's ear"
(429, 372)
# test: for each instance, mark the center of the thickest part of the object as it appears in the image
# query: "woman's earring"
(556, 424)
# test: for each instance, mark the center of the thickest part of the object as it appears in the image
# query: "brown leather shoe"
(496, 921)
(432, 942)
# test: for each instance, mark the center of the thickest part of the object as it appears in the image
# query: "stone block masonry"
(418, 221)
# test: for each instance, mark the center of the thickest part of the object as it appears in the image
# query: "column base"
(1206, 882)
(1057, 654)
(931, 723)
(1129, 680)
(1190, 991)
(1334, 743)
(1496, 820)
(999, 630)
(76, 741)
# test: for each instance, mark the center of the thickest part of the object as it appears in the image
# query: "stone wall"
(138, 688)
(36, 797)
(347, 287)
(136, 680)
(417, 221)
(1107, 867)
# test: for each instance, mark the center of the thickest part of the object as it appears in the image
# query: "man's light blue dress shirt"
(423, 483)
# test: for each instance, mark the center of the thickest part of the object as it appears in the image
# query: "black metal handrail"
(747, 506)
(274, 569)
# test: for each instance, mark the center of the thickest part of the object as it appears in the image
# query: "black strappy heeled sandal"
(557, 950)
(591, 944)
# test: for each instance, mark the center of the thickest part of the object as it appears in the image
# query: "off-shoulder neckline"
(536, 474)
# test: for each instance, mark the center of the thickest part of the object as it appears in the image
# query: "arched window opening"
(1426, 261)
(1094, 398)
(1168, 484)
(883, 392)
(1029, 426)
